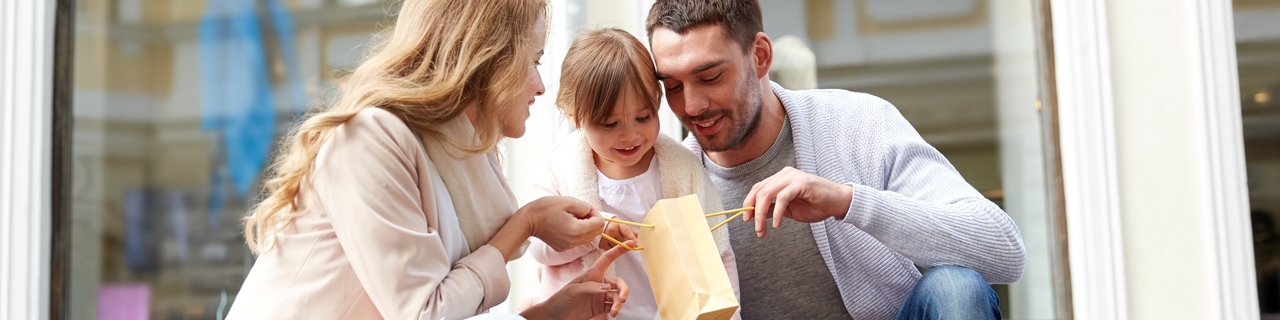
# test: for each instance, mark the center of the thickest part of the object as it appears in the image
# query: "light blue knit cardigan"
(909, 203)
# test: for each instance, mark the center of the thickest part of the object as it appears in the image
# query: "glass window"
(176, 106)
(1258, 55)
(964, 73)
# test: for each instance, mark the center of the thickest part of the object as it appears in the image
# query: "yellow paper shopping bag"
(684, 266)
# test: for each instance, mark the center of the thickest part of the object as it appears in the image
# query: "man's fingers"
(750, 200)
(780, 204)
(764, 197)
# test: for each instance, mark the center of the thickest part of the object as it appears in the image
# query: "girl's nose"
(630, 133)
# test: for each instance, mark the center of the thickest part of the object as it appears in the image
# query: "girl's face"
(512, 117)
(624, 144)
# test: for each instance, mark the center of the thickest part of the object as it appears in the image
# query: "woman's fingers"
(618, 295)
(578, 208)
(596, 271)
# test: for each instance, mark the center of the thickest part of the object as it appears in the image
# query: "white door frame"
(1086, 113)
(26, 120)
(1225, 208)
(1087, 142)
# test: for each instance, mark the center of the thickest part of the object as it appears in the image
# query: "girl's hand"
(618, 231)
(562, 222)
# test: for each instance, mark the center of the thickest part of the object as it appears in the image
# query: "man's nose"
(695, 102)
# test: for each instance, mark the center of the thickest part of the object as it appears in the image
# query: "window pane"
(176, 106)
(1258, 55)
(964, 73)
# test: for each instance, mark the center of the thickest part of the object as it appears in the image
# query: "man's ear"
(762, 54)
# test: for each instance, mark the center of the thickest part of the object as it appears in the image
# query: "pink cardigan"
(375, 239)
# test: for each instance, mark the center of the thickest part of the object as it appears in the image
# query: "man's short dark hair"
(740, 19)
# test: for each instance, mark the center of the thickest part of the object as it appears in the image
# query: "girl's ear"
(572, 120)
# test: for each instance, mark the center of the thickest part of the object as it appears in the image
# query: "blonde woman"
(391, 204)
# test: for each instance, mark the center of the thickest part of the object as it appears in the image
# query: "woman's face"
(512, 117)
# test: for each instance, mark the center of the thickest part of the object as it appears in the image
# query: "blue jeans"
(950, 292)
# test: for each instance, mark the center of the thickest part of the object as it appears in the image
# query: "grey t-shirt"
(781, 276)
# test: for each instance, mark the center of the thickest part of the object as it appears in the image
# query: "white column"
(1225, 209)
(1087, 145)
(1180, 159)
(26, 118)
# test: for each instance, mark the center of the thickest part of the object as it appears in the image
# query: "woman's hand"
(618, 231)
(587, 296)
(562, 222)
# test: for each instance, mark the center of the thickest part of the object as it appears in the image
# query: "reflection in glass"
(1258, 56)
(176, 105)
(176, 108)
(963, 72)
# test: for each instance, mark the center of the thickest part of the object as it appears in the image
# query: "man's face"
(710, 83)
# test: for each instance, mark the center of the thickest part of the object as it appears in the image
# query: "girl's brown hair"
(601, 64)
(440, 58)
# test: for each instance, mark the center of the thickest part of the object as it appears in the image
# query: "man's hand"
(797, 195)
(562, 222)
(618, 231)
(588, 296)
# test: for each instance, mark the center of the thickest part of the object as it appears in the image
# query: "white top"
(630, 199)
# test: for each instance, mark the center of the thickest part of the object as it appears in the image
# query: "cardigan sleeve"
(546, 184)
(366, 177)
(929, 214)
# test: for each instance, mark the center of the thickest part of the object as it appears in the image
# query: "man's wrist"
(846, 196)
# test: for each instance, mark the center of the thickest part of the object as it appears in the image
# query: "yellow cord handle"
(731, 218)
(739, 212)
(726, 221)
(615, 241)
(636, 224)
(721, 213)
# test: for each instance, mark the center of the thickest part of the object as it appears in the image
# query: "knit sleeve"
(545, 185)
(929, 214)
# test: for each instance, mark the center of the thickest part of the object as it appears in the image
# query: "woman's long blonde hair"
(439, 59)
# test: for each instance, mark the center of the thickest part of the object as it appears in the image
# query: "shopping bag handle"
(645, 225)
(726, 221)
(616, 242)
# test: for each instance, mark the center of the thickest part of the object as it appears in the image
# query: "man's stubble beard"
(743, 128)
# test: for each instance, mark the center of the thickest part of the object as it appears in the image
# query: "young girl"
(618, 162)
